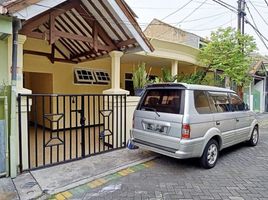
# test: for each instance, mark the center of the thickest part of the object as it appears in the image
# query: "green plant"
(3, 89)
(167, 76)
(229, 51)
(140, 76)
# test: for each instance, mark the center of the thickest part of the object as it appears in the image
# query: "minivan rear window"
(163, 100)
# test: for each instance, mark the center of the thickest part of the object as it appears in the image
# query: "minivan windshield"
(163, 100)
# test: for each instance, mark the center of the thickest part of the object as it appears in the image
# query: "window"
(221, 101)
(237, 103)
(102, 76)
(89, 76)
(163, 100)
(83, 76)
(201, 102)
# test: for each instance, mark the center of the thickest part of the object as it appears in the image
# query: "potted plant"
(140, 79)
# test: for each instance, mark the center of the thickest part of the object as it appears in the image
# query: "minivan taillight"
(185, 132)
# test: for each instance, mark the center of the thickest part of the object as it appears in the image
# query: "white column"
(174, 68)
(115, 74)
(14, 131)
(132, 102)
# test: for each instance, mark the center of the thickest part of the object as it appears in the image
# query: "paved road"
(241, 173)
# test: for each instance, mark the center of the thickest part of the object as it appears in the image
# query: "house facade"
(74, 67)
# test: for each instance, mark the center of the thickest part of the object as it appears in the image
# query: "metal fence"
(63, 128)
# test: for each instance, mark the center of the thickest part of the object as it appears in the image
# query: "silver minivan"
(192, 121)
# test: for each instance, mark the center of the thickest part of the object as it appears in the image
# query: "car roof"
(189, 87)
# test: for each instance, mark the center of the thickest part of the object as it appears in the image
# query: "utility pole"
(241, 16)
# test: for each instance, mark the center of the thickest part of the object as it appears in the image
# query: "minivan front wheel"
(210, 154)
(254, 137)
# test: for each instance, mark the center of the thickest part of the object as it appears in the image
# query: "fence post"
(23, 107)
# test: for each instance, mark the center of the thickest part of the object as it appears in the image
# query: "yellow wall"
(63, 73)
(63, 79)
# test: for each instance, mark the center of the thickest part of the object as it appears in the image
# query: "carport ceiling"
(152, 61)
(81, 30)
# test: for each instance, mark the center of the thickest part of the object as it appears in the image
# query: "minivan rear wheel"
(210, 154)
(254, 137)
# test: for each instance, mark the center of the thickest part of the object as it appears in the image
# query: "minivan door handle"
(237, 120)
(218, 123)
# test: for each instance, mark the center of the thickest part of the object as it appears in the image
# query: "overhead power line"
(207, 29)
(185, 17)
(266, 2)
(262, 40)
(258, 12)
(256, 29)
(180, 8)
(228, 6)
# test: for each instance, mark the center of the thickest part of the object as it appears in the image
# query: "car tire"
(254, 139)
(210, 154)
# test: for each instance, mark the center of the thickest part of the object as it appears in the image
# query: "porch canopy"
(80, 30)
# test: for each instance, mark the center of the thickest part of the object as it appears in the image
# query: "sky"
(202, 16)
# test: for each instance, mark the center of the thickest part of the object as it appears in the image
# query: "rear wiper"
(152, 109)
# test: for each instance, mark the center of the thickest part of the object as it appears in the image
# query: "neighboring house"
(5, 32)
(256, 95)
(173, 48)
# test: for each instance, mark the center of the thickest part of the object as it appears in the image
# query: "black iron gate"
(63, 128)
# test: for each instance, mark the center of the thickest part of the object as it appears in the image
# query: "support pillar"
(174, 68)
(14, 131)
(115, 74)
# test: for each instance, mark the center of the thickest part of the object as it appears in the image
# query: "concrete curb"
(89, 179)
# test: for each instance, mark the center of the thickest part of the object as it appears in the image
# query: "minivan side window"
(221, 101)
(163, 100)
(201, 102)
(237, 103)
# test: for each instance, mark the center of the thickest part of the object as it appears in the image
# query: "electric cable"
(180, 8)
(258, 12)
(185, 17)
(233, 9)
(262, 40)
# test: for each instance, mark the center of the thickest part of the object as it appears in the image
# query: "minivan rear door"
(160, 113)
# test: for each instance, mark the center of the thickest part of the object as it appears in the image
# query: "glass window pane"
(237, 103)
(201, 102)
(163, 100)
(221, 101)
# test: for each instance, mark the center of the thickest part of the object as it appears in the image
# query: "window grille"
(102, 76)
(84, 76)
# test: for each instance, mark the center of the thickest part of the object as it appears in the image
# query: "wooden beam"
(35, 22)
(90, 19)
(133, 21)
(48, 55)
(127, 42)
(52, 37)
(81, 38)
(95, 36)
(83, 54)
(52, 57)
(36, 35)
(61, 52)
